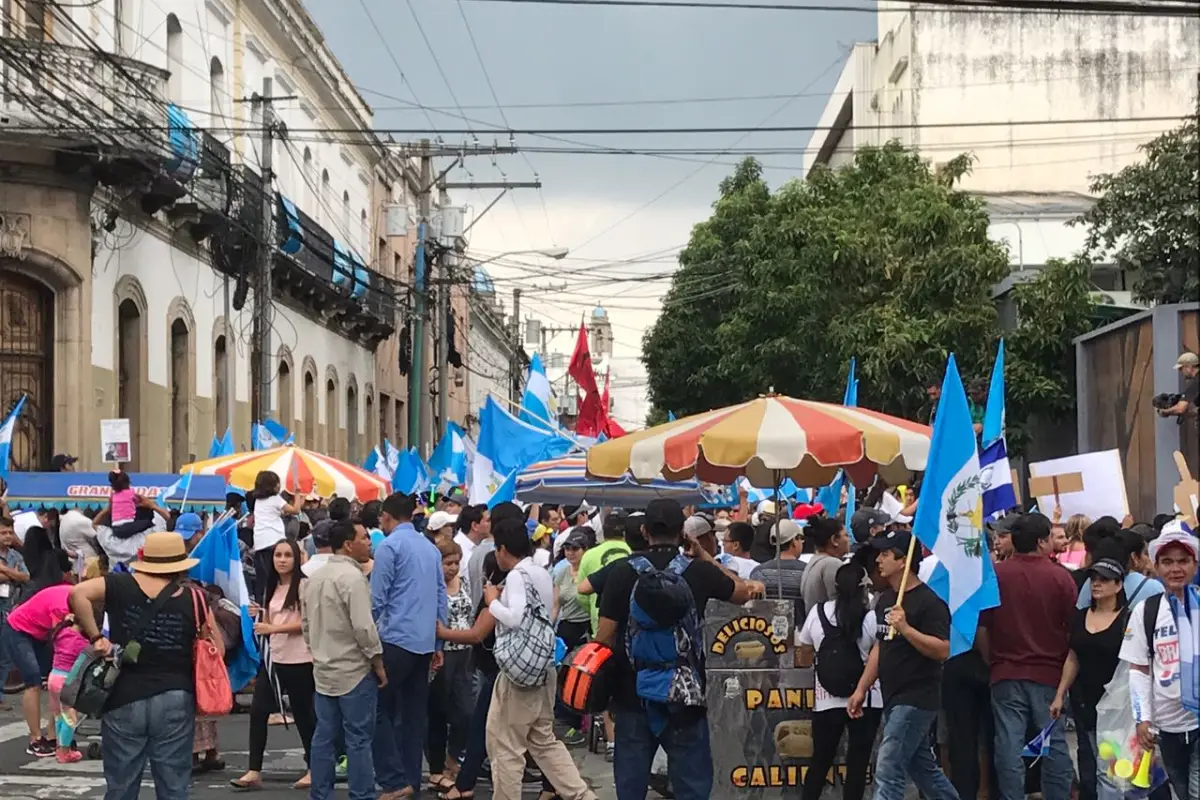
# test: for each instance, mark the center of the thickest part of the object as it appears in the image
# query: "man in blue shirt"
(408, 598)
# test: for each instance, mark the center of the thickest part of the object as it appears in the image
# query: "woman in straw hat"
(151, 711)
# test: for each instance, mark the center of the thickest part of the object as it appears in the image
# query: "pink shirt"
(124, 506)
(38, 615)
(68, 644)
(286, 648)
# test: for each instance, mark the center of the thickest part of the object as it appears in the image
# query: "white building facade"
(1043, 101)
(133, 152)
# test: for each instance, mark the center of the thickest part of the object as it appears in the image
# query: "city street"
(23, 777)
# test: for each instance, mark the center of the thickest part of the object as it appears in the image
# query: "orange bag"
(584, 683)
(214, 695)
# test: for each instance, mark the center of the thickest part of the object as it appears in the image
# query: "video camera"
(1166, 400)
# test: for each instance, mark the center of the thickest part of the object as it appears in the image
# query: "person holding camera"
(1182, 405)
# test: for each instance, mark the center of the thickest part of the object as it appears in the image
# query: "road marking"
(12, 731)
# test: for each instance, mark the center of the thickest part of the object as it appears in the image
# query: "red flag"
(580, 367)
(613, 429)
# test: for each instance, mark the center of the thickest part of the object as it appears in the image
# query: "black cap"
(862, 520)
(893, 540)
(1108, 568)
(320, 532)
(576, 538)
(1004, 524)
(458, 496)
(61, 461)
(663, 516)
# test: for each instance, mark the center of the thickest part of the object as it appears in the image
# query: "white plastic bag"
(1123, 768)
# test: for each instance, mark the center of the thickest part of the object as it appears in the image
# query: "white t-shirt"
(742, 566)
(812, 634)
(464, 542)
(1168, 711)
(541, 557)
(268, 522)
(314, 563)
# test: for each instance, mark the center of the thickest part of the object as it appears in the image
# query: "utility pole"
(426, 151)
(514, 368)
(261, 359)
(416, 375)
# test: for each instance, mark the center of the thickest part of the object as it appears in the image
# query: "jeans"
(689, 757)
(402, 719)
(904, 754)
(1018, 707)
(6, 664)
(297, 681)
(450, 707)
(26, 655)
(827, 727)
(1181, 759)
(1085, 750)
(476, 750)
(159, 729)
(352, 714)
(967, 704)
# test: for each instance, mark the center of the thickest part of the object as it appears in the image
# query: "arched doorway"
(181, 395)
(352, 424)
(129, 373)
(310, 411)
(26, 367)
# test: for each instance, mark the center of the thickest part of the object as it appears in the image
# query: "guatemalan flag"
(448, 464)
(949, 518)
(178, 490)
(221, 564)
(535, 403)
(269, 434)
(507, 445)
(412, 476)
(6, 434)
(995, 474)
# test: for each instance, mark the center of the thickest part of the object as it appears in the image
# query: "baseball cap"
(696, 526)
(663, 516)
(320, 533)
(862, 520)
(457, 496)
(540, 532)
(187, 525)
(1175, 534)
(1108, 568)
(440, 519)
(1187, 360)
(576, 538)
(1004, 524)
(893, 540)
(785, 531)
(766, 507)
(805, 510)
(61, 460)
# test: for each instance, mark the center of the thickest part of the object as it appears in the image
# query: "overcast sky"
(604, 208)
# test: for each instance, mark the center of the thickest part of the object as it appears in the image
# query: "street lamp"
(556, 253)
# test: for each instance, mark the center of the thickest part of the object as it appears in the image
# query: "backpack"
(585, 685)
(839, 662)
(1150, 620)
(525, 654)
(663, 637)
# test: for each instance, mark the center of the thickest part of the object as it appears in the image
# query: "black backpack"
(839, 661)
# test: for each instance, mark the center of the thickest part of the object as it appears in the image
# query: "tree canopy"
(1147, 220)
(883, 260)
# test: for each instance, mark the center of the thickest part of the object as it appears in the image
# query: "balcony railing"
(79, 94)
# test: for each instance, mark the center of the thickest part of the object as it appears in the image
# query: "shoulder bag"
(214, 695)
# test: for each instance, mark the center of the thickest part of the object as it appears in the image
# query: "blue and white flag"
(179, 489)
(849, 399)
(222, 445)
(6, 434)
(535, 402)
(506, 492)
(221, 564)
(269, 434)
(949, 519)
(448, 464)
(993, 415)
(412, 476)
(383, 461)
(507, 445)
(995, 479)
(670, 416)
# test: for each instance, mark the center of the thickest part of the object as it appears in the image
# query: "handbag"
(92, 676)
(214, 695)
(525, 654)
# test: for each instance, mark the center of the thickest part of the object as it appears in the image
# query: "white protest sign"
(1103, 491)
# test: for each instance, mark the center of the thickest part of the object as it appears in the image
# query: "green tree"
(1147, 220)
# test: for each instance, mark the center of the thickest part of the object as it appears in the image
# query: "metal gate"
(26, 367)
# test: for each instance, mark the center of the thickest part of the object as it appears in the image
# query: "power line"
(1056, 7)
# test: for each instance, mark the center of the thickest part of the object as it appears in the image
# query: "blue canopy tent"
(66, 490)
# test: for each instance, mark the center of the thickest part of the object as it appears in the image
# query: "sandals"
(442, 785)
(459, 796)
(245, 786)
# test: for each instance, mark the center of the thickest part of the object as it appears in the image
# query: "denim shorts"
(26, 655)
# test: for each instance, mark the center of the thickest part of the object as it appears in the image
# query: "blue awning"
(64, 490)
(348, 271)
(184, 142)
(295, 232)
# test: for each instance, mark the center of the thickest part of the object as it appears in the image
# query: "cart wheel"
(93, 751)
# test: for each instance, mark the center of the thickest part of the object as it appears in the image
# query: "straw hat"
(163, 554)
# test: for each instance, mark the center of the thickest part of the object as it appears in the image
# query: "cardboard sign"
(1187, 492)
(116, 444)
(1089, 483)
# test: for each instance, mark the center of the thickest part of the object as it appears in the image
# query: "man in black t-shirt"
(909, 669)
(685, 738)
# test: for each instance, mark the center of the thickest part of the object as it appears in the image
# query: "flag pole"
(912, 545)
(188, 488)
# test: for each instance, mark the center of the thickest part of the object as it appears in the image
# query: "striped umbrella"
(768, 438)
(300, 472)
(564, 481)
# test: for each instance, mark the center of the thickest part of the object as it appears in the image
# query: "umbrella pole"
(778, 549)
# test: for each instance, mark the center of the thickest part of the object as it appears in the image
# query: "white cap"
(23, 522)
(439, 520)
(1175, 533)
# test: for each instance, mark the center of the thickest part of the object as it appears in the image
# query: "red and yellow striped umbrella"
(766, 439)
(300, 472)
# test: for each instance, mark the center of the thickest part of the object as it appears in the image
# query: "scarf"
(1187, 623)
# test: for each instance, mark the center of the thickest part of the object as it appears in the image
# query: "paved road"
(24, 778)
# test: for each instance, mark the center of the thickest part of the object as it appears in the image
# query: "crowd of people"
(404, 636)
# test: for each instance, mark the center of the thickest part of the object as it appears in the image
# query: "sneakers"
(573, 738)
(40, 748)
(609, 749)
(339, 772)
(68, 756)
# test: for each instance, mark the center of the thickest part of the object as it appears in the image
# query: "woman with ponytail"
(837, 637)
